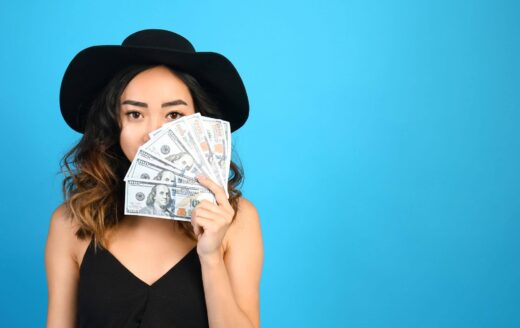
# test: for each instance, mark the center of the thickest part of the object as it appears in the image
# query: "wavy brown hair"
(93, 187)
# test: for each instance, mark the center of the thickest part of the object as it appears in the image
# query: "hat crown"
(156, 38)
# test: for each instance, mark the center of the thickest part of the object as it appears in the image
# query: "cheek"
(130, 141)
(190, 111)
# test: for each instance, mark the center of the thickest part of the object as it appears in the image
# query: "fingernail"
(201, 177)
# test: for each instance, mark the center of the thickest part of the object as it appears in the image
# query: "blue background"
(382, 150)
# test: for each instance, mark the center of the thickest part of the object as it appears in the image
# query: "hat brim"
(92, 68)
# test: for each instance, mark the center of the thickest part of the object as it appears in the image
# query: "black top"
(110, 295)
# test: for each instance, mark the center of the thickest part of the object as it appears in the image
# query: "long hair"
(93, 187)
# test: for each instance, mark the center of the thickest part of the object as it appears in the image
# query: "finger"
(211, 207)
(218, 191)
(197, 228)
(218, 213)
(205, 213)
(204, 224)
(202, 213)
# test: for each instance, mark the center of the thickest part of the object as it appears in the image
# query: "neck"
(146, 226)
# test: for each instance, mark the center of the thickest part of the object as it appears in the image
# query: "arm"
(231, 279)
(231, 283)
(62, 271)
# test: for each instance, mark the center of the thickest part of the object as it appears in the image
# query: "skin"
(231, 254)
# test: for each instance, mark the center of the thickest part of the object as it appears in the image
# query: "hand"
(211, 221)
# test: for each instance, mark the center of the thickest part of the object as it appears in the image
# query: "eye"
(133, 115)
(174, 115)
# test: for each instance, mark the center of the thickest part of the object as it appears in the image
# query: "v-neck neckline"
(141, 281)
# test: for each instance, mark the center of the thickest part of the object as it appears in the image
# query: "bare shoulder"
(247, 209)
(62, 235)
(61, 267)
(247, 221)
(245, 232)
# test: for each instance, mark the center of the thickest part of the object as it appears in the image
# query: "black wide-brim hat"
(92, 68)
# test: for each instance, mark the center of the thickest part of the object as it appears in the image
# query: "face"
(167, 176)
(152, 98)
(162, 196)
(186, 161)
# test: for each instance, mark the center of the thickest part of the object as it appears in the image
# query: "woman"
(107, 269)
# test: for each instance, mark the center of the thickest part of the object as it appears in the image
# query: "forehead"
(162, 188)
(156, 82)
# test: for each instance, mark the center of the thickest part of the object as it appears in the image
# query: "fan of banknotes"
(161, 181)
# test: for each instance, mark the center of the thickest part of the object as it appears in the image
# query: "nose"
(153, 124)
(146, 137)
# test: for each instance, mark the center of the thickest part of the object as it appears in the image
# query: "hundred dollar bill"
(216, 132)
(169, 148)
(215, 146)
(227, 134)
(181, 132)
(149, 157)
(149, 168)
(157, 199)
(201, 138)
(156, 132)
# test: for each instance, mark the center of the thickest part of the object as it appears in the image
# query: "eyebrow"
(145, 105)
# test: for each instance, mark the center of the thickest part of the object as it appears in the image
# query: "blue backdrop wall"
(382, 150)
